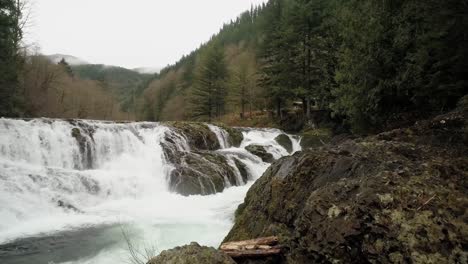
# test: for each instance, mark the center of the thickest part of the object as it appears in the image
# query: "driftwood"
(260, 247)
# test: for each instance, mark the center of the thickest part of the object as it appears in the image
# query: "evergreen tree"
(277, 57)
(10, 35)
(209, 91)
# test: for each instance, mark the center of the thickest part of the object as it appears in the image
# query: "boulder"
(198, 135)
(398, 197)
(192, 254)
(83, 135)
(260, 152)
(242, 170)
(202, 173)
(200, 170)
(285, 142)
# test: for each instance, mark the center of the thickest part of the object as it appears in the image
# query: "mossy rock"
(285, 142)
(397, 197)
(192, 254)
(260, 152)
(76, 133)
(203, 173)
(242, 169)
(199, 135)
(235, 135)
(315, 138)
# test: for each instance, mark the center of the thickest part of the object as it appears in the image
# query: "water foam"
(47, 185)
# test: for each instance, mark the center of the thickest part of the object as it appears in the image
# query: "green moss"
(235, 135)
(285, 142)
(315, 138)
(198, 134)
(76, 133)
(260, 151)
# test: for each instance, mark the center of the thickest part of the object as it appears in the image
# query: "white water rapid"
(70, 189)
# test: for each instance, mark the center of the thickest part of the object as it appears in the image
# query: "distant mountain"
(147, 70)
(124, 83)
(72, 60)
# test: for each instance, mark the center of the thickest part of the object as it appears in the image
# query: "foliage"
(362, 60)
(365, 62)
(209, 91)
(10, 36)
(48, 90)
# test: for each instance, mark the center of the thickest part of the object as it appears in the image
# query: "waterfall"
(222, 135)
(70, 175)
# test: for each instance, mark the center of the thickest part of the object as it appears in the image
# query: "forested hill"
(364, 61)
(125, 84)
(366, 64)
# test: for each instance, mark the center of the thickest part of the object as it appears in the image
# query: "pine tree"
(279, 70)
(10, 35)
(209, 91)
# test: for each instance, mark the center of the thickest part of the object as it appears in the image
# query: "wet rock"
(68, 206)
(192, 254)
(260, 152)
(198, 170)
(202, 173)
(83, 133)
(235, 135)
(285, 142)
(243, 170)
(398, 197)
(198, 135)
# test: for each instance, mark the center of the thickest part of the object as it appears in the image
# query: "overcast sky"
(129, 33)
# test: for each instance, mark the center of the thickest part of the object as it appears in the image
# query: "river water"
(61, 202)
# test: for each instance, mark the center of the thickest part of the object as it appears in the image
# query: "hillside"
(72, 60)
(124, 83)
(357, 61)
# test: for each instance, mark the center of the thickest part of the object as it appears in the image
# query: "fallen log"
(253, 253)
(266, 241)
(260, 247)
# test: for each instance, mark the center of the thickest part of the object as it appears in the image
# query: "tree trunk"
(260, 247)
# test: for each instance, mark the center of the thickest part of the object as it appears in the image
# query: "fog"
(137, 33)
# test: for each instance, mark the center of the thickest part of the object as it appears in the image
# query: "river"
(61, 202)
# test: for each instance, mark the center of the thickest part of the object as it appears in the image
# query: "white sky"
(129, 33)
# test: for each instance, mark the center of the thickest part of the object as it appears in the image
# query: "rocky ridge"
(198, 168)
(397, 197)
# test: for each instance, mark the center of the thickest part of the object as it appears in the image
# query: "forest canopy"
(364, 62)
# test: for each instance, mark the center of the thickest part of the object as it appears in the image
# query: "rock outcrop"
(285, 142)
(192, 254)
(260, 152)
(198, 168)
(198, 135)
(397, 197)
(235, 135)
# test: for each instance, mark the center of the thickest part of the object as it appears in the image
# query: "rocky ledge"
(198, 168)
(397, 197)
(192, 254)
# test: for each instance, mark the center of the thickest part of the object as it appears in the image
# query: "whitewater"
(66, 202)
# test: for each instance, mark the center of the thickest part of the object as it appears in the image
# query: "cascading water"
(222, 136)
(67, 184)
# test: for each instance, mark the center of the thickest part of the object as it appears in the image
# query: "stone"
(285, 142)
(332, 206)
(260, 152)
(192, 254)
